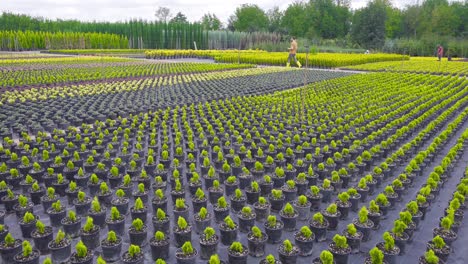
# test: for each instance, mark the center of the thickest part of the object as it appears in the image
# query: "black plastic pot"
(401, 242)
(8, 253)
(183, 259)
(276, 204)
(343, 209)
(141, 214)
(60, 253)
(236, 258)
(340, 257)
(256, 246)
(262, 211)
(201, 224)
(375, 218)
(159, 249)
(237, 204)
(111, 251)
(33, 258)
(181, 213)
(214, 195)
(105, 198)
(289, 221)
(36, 195)
(303, 211)
(208, 247)
(74, 259)
(41, 241)
(72, 228)
(161, 225)
(305, 245)
(198, 204)
(274, 234)
(332, 219)
(252, 197)
(288, 257)
(56, 217)
(138, 237)
(121, 204)
(99, 217)
(389, 256)
(9, 203)
(354, 242)
(27, 228)
(320, 231)
(82, 208)
(91, 239)
(118, 226)
(159, 204)
(220, 213)
(365, 228)
(228, 235)
(182, 236)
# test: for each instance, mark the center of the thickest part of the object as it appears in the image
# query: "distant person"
(292, 53)
(367, 52)
(440, 52)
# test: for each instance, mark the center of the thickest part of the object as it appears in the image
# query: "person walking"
(292, 53)
(440, 52)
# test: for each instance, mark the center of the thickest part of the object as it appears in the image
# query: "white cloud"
(118, 10)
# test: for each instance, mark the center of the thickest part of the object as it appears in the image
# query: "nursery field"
(417, 65)
(115, 160)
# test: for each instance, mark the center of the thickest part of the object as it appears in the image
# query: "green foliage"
(81, 250)
(49, 261)
(389, 242)
(288, 210)
(9, 240)
(209, 232)
(302, 200)
(111, 237)
(72, 216)
(340, 241)
(270, 259)
(306, 232)
(351, 229)
(318, 217)
(446, 223)
(57, 206)
(326, 257)
(22, 200)
(343, 197)
(287, 246)
(28, 218)
(229, 222)
(187, 248)
(115, 214)
(271, 221)
(256, 232)
(236, 247)
(27, 248)
(95, 205)
(89, 226)
(431, 257)
(332, 209)
(138, 225)
(438, 242)
(60, 237)
(100, 260)
(40, 227)
(134, 251)
(180, 204)
(363, 215)
(221, 203)
(214, 259)
(376, 256)
(277, 194)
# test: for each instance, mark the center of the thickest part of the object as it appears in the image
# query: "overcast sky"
(115, 10)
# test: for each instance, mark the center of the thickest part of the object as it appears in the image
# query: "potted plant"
(279, 177)
(383, 203)
(208, 243)
(177, 191)
(82, 255)
(376, 256)
(445, 231)
(141, 192)
(159, 201)
(60, 248)
(277, 199)
(27, 182)
(98, 213)
(42, 235)
(215, 192)
(343, 204)
(314, 197)
(256, 242)
(289, 217)
(89, 234)
(139, 210)
(28, 255)
(202, 220)
(3, 231)
(48, 199)
(9, 247)
(111, 247)
(159, 244)
(389, 249)
(246, 219)
(159, 183)
(319, 226)
(354, 238)
(199, 200)
(71, 224)
(262, 209)
(120, 202)
(194, 183)
(138, 232)
(56, 213)
(398, 232)
(186, 254)
(429, 258)
(36, 192)
(15, 177)
(221, 209)
(289, 190)
(273, 229)
(288, 252)
(104, 194)
(304, 239)
(230, 185)
(60, 184)
(116, 222)
(161, 221)
(237, 253)
(326, 190)
(363, 189)
(332, 215)
(326, 257)
(442, 250)
(238, 200)
(27, 224)
(354, 198)
(266, 185)
(302, 207)
(81, 178)
(94, 184)
(126, 185)
(23, 206)
(228, 231)
(82, 203)
(72, 192)
(133, 255)
(115, 177)
(340, 249)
